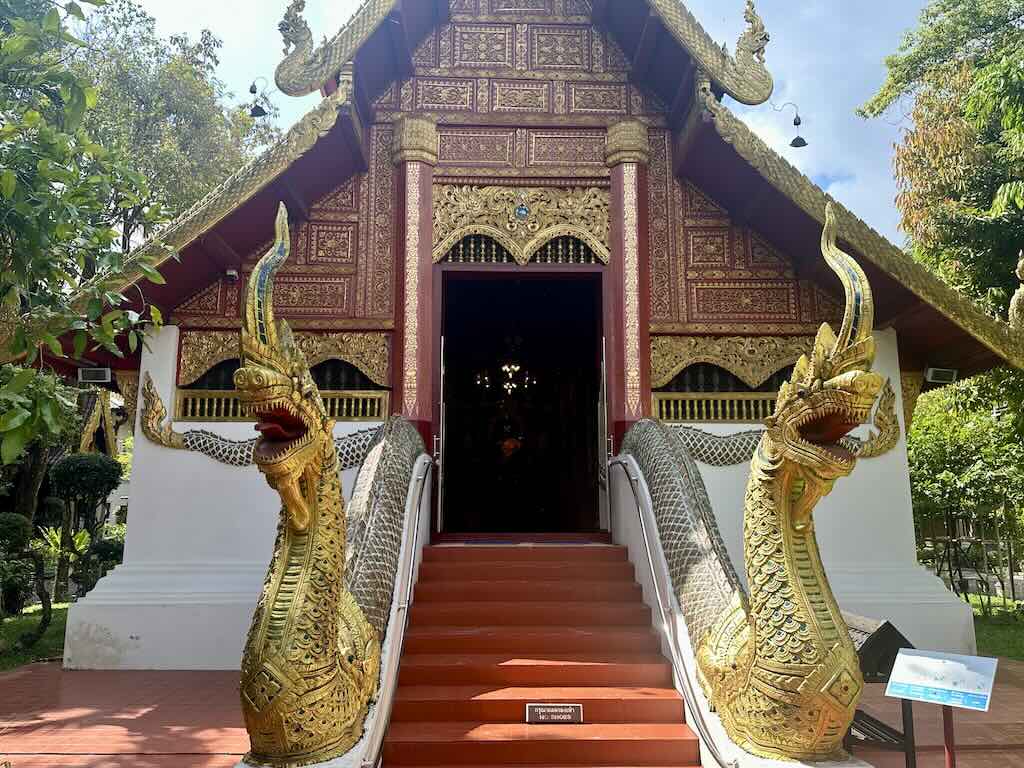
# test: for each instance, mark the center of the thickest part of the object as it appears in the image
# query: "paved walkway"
(55, 719)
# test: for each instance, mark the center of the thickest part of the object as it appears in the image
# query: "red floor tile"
(50, 718)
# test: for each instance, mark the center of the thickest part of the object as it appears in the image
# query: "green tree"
(949, 32)
(40, 417)
(160, 102)
(84, 481)
(967, 463)
(60, 259)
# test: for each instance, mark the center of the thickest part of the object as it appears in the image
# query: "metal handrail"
(668, 617)
(389, 682)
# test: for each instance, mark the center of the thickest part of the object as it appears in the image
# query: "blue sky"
(826, 56)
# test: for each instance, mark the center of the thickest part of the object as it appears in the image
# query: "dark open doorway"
(522, 387)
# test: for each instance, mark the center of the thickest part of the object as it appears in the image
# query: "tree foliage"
(86, 480)
(160, 101)
(34, 407)
(56, 184)
(949, 32)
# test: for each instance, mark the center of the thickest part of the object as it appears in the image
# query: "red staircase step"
(551, 669)
(508, 704)
(523, 538)
(529, 614)
(433, 743)
(529, 553)
(528, 590)
(516, 571)
(494, 628)
(491, 639)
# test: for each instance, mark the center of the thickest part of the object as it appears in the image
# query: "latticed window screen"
(481, 249)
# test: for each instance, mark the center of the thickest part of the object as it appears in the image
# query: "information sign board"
(943, 678)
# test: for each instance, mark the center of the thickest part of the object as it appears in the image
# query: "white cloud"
(826, 55)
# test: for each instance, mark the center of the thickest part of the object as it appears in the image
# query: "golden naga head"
(277, 389)
(833, 391)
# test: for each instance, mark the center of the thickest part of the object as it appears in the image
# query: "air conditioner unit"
(941, 375)
(93, 375)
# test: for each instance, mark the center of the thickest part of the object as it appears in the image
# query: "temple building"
(525, 226)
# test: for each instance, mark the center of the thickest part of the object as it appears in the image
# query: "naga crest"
(294, 28)
(832, 391)
(755, 39)
(276, 387)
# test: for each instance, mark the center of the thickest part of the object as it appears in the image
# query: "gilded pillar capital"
(415, 140)
(628, 142)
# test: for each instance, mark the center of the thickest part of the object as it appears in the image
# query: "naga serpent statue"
(778, 666)
(312, 660)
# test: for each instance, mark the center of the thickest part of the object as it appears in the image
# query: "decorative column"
(629, 338)
(414, 152)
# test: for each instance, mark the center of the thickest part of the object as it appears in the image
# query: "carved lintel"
(202, 350)
(369, 352)
(753, 359)
(522, 219)
(415, 140)
(628, 142)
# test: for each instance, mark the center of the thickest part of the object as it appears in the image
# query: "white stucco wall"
(865, 531)
(199, 539)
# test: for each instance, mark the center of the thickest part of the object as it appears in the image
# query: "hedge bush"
(15, 532)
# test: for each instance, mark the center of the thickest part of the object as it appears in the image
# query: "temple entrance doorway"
(522, 390)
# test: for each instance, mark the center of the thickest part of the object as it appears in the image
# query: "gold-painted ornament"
(779, 666)
(312, 660)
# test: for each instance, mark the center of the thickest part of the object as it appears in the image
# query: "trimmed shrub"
(15, 532)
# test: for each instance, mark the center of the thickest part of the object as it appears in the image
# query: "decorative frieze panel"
(200, 351)
(521, 219)
(434, 94)
(521, 96)
(566, 148)
(522, 60)
(333, 243)
(710, 275)
(521, 152)
(562, 47)
(598, 99)
(745, 302)
(752, 359)
(477, 147)
(340, 274)
(478, 45)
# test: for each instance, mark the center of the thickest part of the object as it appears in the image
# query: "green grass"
(50, 646)
(1002, 633)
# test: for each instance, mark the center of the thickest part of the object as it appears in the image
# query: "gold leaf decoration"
(522, 219)
(753, 359)
(154, 416)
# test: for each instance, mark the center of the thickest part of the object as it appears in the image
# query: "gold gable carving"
(522, 219)
(753, 359)
(873, 247)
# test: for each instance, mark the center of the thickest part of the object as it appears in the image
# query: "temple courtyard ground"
(50, 718)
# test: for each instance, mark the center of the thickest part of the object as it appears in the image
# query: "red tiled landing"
(493, 628)
(50, 718)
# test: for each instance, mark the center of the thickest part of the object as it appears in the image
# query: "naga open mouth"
(825, 428)
(281, 430)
